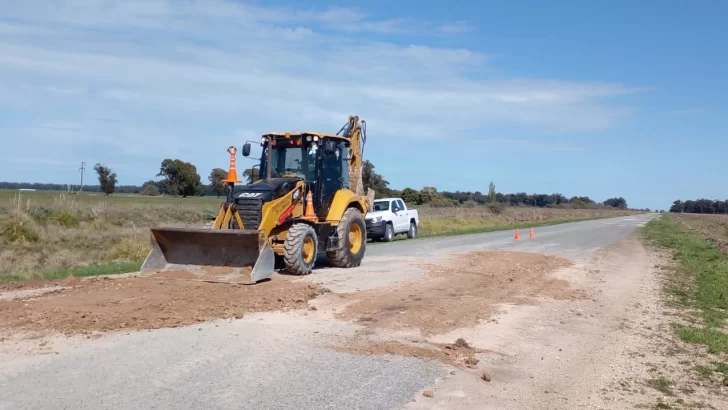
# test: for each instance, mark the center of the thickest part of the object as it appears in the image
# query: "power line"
(82, 169)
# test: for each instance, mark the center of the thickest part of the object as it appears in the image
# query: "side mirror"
(330, 147)
(246, 149)
(395, 208)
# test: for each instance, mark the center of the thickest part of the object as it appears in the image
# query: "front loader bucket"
(226, 255)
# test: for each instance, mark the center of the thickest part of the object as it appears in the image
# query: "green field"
(48, 234)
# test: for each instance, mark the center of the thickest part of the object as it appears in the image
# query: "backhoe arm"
(356, 132)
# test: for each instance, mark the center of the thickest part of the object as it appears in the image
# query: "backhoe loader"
(307, 200)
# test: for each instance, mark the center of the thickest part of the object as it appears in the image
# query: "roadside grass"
(82, 271)
(699, 283)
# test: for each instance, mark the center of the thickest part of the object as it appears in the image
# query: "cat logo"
(249, 195)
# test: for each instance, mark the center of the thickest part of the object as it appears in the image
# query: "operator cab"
(320, 160)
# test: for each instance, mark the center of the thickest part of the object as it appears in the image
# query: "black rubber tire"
(388, 233)
(412, 232)
(342, 257)
(293, 249)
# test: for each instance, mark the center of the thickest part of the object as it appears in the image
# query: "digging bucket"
(228, 255)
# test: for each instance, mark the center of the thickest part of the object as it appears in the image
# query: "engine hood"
(266, 190)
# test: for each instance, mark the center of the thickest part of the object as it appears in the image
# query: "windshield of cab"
(381, 205)
(293, 161)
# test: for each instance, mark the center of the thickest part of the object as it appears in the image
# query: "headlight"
(378, 219)
(315, 138)
(263, 140)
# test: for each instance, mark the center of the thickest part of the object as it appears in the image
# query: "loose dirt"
(459, 353)
(207, 273)
(460, 292)
(111, 304)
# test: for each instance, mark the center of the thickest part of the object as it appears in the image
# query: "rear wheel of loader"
(352, 240)
(300, 249)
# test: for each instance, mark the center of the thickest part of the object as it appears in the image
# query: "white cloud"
(456, 27)
(175, 72)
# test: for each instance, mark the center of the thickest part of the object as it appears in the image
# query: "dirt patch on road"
(460, 292)
(106, 304)
(459, 353)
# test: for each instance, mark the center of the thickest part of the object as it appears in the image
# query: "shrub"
(18, 229)
(495, 207)
(67, 218)
(150, 190)
(128, 249)
(65, 213)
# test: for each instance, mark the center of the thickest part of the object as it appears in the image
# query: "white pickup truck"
(390, 217)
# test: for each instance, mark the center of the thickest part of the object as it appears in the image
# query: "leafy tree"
(491, 193)
(216, 184)
(149, 188)
(620, 203)
(410, 196)
(428, 194)
(180, 178)
(374, 181)
(107, 179)
(700, 206)
(251, 175)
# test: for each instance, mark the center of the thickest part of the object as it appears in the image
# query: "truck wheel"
(412, 233)
(299, 249)
(351, 244)
(388, 233)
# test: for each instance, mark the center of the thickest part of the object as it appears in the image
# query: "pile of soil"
(106, 304)
(459, 353)
(461, 292)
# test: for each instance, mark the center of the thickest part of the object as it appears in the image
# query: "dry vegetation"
(53, 235)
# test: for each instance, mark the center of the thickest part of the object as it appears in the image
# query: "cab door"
(330, 178)
(400, 221)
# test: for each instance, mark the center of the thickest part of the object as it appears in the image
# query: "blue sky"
(582, 98)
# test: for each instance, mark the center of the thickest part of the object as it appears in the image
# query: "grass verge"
(699, 282)
(83, 271)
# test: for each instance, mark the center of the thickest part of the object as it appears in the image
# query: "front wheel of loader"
(300, 248)
(351, 243)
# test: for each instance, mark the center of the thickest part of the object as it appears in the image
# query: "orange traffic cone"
(518, 236)
(309, 214)
(232, 173)
(531, 235)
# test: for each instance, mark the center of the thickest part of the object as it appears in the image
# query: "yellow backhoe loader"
(308, 199)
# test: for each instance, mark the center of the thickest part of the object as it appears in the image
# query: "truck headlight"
(378, 219)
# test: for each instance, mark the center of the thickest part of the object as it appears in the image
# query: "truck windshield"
(381, 205)
(292, 161)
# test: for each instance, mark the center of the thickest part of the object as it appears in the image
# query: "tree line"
(431, 196)
(700, 206)
(180, 178)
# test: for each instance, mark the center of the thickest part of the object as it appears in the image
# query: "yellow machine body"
(281, 221)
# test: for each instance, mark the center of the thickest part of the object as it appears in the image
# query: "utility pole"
(82, 169)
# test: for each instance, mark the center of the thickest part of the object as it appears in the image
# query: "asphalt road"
(266, 361)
